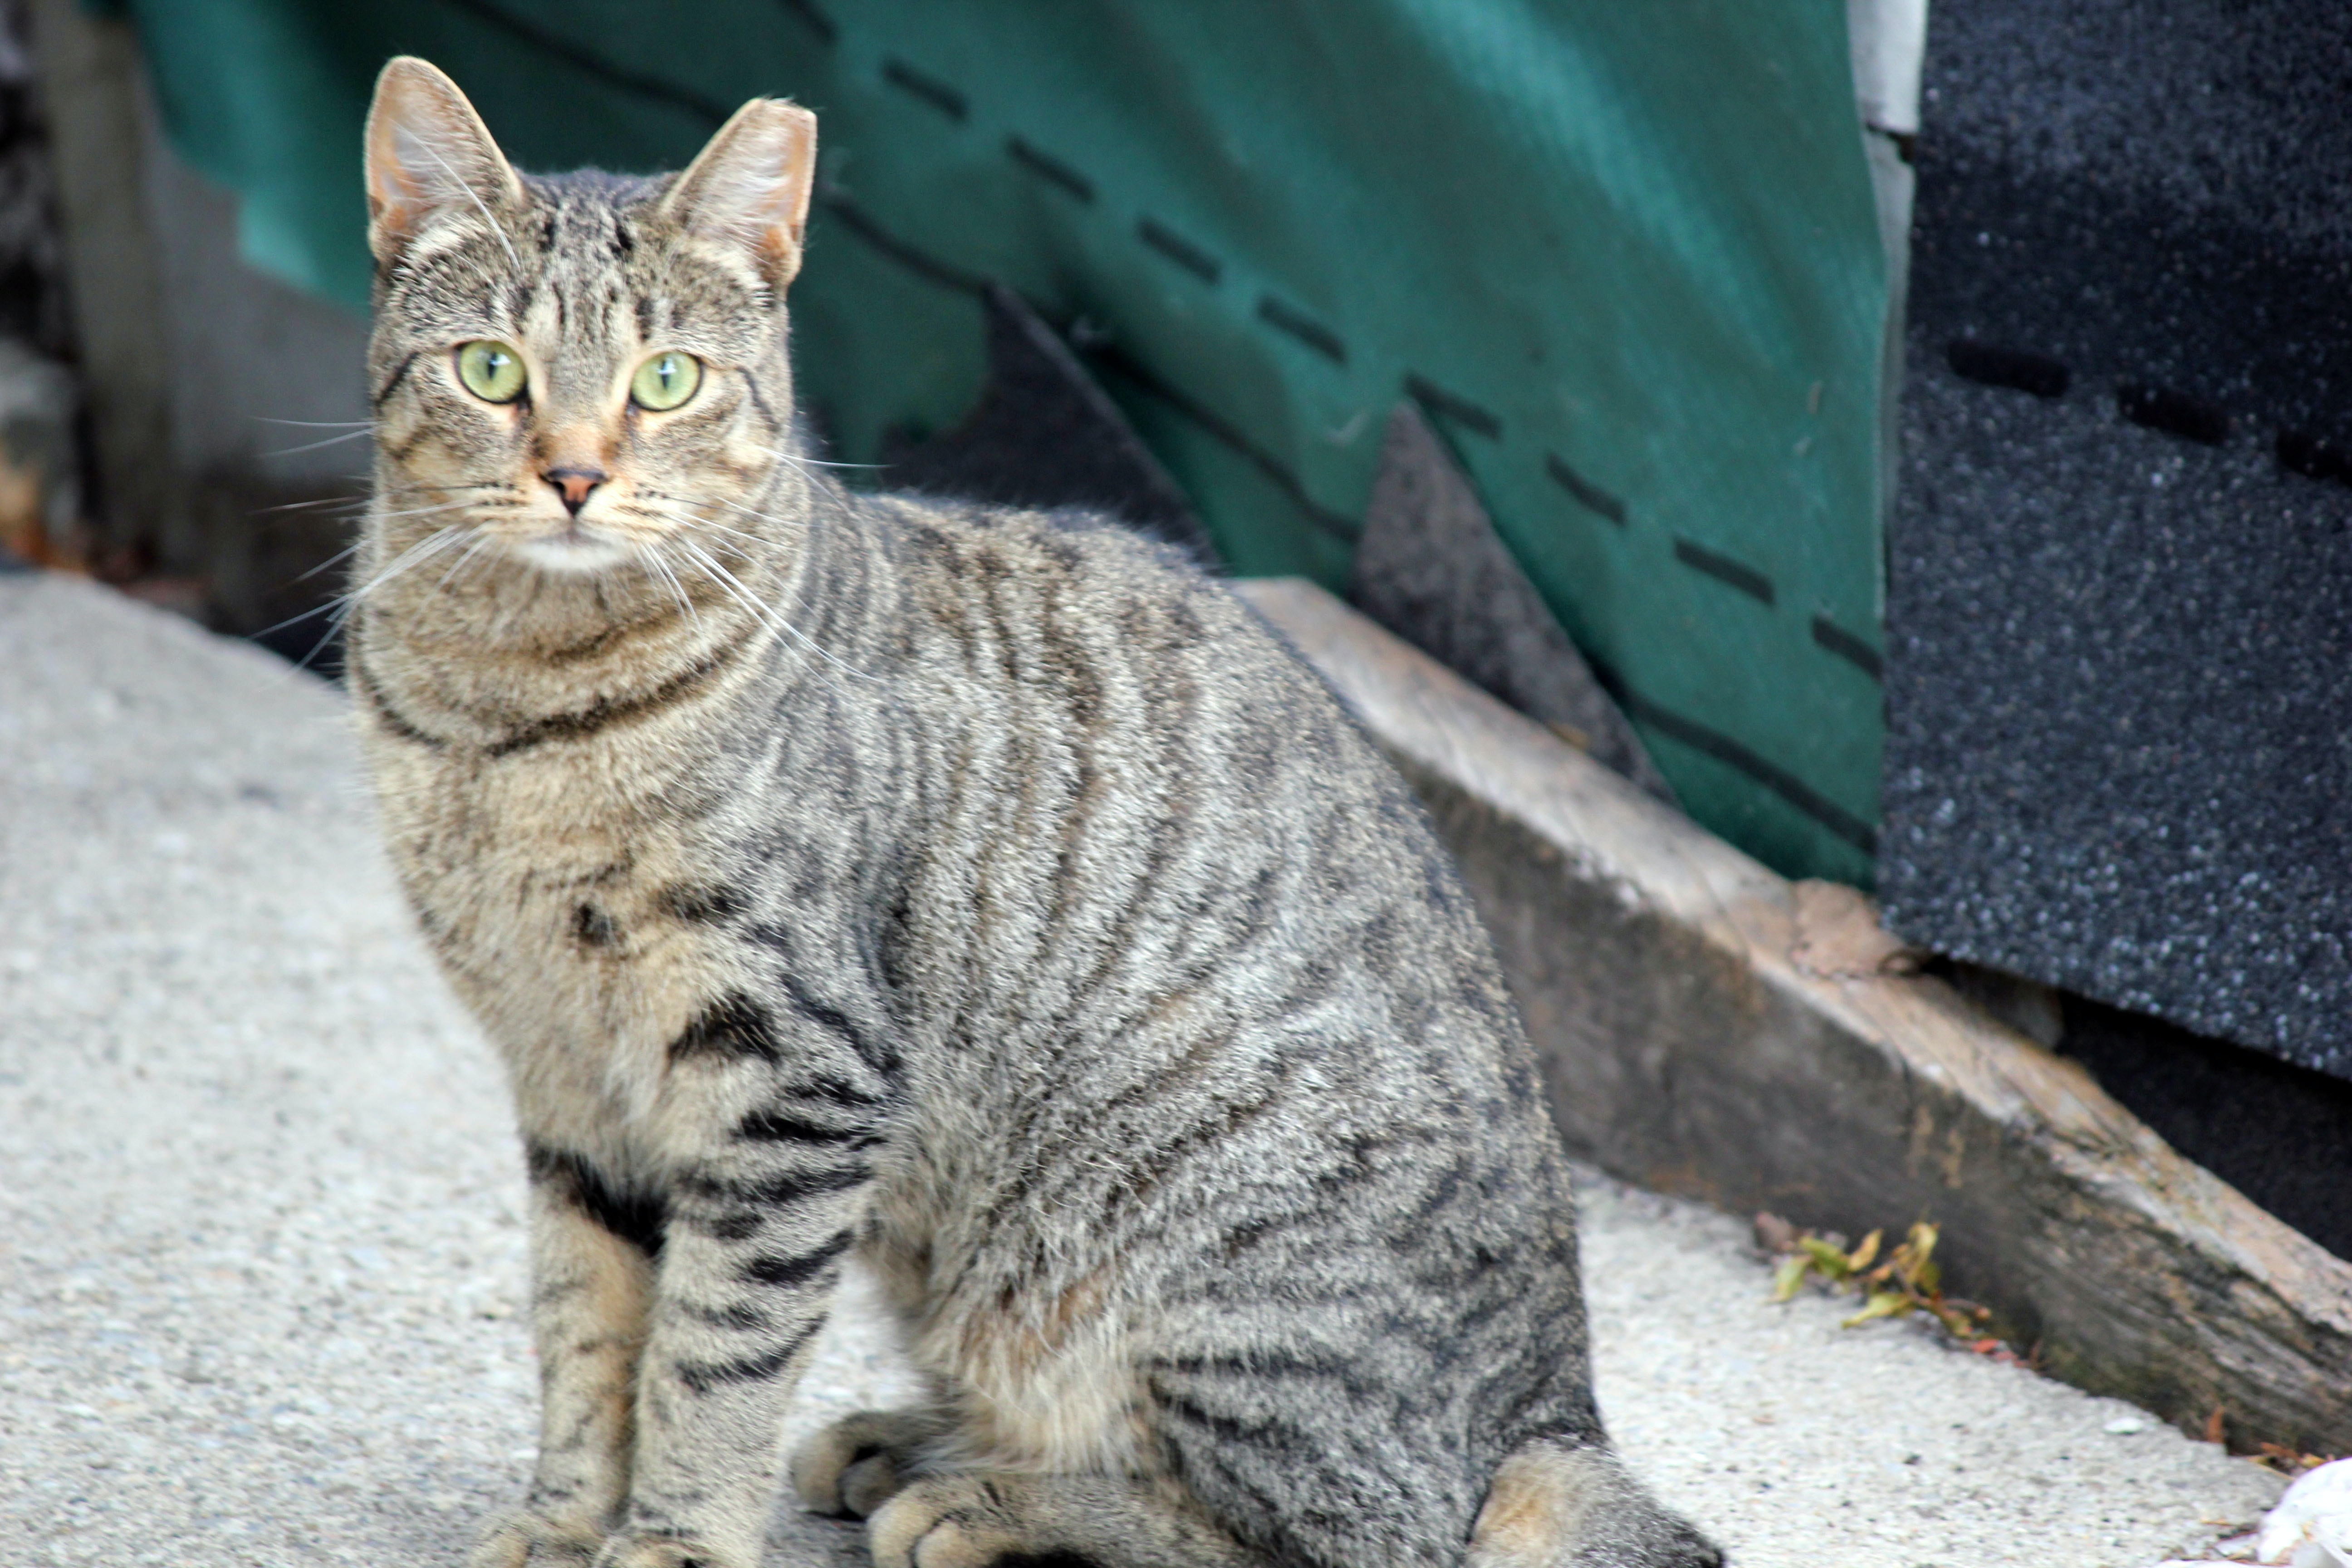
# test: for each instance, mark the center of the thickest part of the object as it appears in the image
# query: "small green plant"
(1907, 1280)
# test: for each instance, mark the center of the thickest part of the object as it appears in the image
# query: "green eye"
(666, 381)
(491, 371)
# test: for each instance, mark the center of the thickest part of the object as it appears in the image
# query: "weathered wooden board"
(1711, 1029)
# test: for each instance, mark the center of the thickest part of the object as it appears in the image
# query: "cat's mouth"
(570, 547)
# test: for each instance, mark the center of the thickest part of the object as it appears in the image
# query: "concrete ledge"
(1711, 1029)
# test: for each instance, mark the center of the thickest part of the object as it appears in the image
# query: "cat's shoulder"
(1076, 556)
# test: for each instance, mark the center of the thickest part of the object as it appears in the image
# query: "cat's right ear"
(428, 153)
(750, 186)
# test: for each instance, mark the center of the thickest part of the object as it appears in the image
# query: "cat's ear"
(750, 186)
(428, 153)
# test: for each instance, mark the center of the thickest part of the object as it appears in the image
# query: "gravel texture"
(260, 1259)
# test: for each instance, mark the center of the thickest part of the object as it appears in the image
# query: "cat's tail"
(1552, 1505)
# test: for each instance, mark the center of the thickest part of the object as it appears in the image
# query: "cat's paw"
(526, 1539)
(949, 1521)
(1554, 1505)
(861, 1461)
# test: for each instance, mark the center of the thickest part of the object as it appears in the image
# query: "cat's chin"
(568, 553)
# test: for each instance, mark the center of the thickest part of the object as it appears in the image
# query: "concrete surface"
(260, 1260)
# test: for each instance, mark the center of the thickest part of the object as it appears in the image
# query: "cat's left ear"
(750, 186)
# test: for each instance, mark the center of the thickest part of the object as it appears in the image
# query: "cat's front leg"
(747, 1275)
(592, 1245)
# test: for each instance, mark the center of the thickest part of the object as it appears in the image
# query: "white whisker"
(348, 503)
(343, 604)
(459, 565)
(796, 460)
(772, 616)
(345, 553)
(426, 511)
(314, 446)
(476, 196)
(657, 568)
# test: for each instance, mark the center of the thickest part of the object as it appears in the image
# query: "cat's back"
(1123, 646)
(1123, 740)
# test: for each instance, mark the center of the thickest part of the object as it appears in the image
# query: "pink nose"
(573, 485)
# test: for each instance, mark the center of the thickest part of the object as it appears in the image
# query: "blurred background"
(1924, 431)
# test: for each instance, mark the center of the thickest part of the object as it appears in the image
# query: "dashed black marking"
(1452, 405)
(2019, 370)
(1179, 250)
(1725, 570)
(1588, 494)
(929, 88)
(2314, 457)
(1304, 327)
(1050, 169)
(2173, 413)
(1324, 520)
(1828, 634)
(592, 927)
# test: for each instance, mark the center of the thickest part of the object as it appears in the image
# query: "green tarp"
(1625, 255)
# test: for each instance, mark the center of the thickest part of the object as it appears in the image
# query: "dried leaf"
(1866, 1252)
(1923, 1242)
(1955, 1323)
(1825, 1258)
(1789, 1275)
(1884, 1304)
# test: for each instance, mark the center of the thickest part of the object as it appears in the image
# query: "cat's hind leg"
(1000, 1519)
(861, 1461)
(1553, 1505)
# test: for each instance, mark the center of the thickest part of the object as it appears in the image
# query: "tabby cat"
(984, 894)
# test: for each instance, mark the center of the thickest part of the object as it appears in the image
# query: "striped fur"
(984, 893)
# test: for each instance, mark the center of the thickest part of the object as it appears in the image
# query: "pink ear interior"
(750, 186)
(427, 151)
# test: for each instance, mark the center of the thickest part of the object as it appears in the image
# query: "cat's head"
(581, 379)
